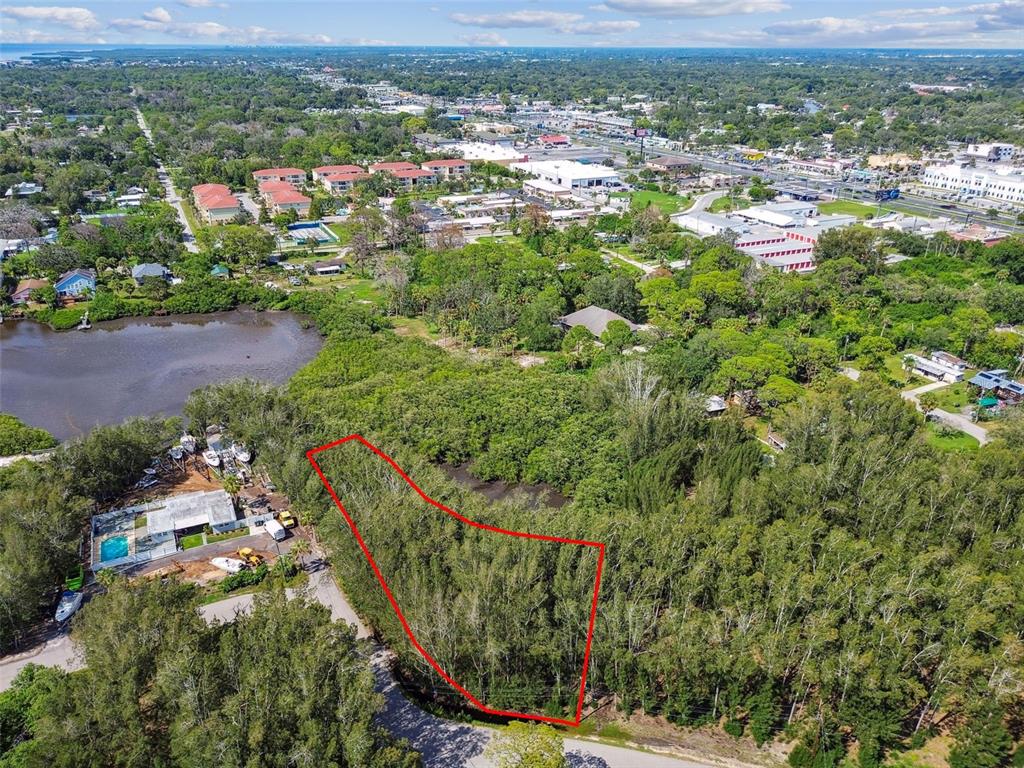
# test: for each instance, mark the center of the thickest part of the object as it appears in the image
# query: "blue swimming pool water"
(113, 548)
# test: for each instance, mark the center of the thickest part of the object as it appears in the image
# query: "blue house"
(76, 282)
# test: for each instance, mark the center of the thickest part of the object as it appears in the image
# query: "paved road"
(170, 193)
(955, 420)
(704, 202)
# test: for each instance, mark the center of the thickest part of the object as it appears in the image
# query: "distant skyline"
(579, 23)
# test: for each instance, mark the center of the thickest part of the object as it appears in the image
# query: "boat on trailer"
(188, 443)
(212, 458)
(241, 452)
(229, 564)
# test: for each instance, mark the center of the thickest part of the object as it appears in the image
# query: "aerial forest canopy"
(861, 586)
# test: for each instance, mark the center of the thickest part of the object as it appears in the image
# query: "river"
(69, 382)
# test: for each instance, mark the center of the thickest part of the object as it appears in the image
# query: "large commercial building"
(571, 174)
(1000, 182)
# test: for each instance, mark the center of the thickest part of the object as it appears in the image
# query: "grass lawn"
(614, 731)
(955, 396)
(946, 440)
(848, 207)
(669, 204)
(225, 536)
(359, 288)
(726, 204)
(192, 540)
(343, 230)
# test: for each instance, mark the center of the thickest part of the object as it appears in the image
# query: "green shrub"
(242, 579)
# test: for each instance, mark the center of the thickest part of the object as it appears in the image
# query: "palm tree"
(232, 485)
(300, 549)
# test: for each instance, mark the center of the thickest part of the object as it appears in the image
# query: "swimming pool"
(113, 548)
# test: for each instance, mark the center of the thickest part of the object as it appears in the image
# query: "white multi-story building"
(993, 153)
(1001, 182)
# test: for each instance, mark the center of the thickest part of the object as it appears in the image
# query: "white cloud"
(567, 23)
(605, 27)
(515, 19)
(79, 19)
(696, 8)
(488, 39)
(158, 14)
(160, 21)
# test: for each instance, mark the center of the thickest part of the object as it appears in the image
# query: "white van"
(275, 529)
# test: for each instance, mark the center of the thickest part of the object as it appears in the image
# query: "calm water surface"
(70, 381)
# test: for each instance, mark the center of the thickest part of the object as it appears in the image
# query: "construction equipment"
(287, 519)
(250, 557)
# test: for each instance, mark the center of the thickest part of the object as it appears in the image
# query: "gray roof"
(594, 319)
(188, 510)
(988, 380)
(140, 271)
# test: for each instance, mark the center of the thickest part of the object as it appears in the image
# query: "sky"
(580, 23)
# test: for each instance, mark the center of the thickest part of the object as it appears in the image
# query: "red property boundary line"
(401, 617)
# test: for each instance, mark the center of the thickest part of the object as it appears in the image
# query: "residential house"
(330, 267)
(939, 366)
(25, 189)
(447, 168)
(77, 282)
(595, 319)
(22, 292)
(291, 175)
(141, 271)
(215, 203)
(999, 385)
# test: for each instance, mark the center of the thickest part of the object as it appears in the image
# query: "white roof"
(545, 186)
(566, 170)
(479, 150)
(188, 510)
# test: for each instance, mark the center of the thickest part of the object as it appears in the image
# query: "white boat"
(150, 471)
(241, 452)
(176, 452)
(69, 603)
(188, 443)
(212, 458)
(229, 564)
